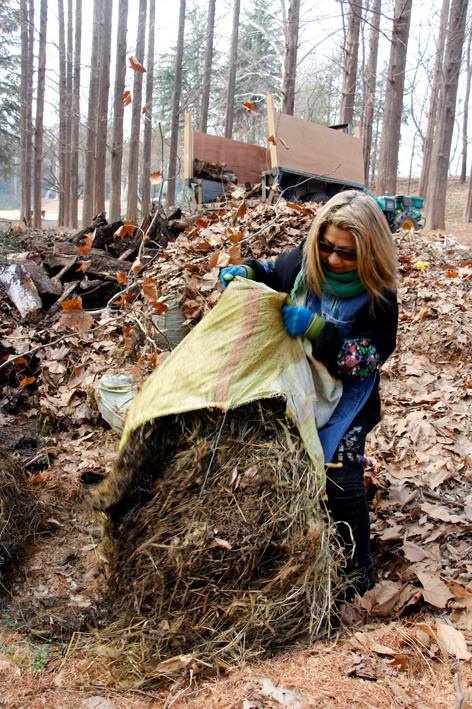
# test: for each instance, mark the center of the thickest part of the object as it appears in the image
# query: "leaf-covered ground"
(407, 642)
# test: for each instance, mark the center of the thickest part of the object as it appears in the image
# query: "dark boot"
(348, 506)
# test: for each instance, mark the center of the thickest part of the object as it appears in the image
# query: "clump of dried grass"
(20, 511)
(217, 546)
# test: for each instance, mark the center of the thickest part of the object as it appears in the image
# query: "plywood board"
(246, 160)
(314, 149)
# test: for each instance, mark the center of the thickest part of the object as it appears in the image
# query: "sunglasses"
(346, 254)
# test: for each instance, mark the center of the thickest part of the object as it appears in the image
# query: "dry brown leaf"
(83, 266)
(149, 288)
(136, 65)
(87, 243)
(26, 381)
(452, 641)
(72, 304)
(155, 178)
(435, 590)
(126, 229)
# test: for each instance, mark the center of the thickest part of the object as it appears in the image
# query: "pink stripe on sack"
(241, 345)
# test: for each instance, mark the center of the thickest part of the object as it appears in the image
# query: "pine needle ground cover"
(216, 542)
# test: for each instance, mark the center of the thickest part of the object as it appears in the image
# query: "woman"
(342, 298)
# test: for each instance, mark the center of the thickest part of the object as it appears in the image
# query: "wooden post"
(272, 130)
(188, 148)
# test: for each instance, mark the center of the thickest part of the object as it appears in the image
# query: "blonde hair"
(359, 214)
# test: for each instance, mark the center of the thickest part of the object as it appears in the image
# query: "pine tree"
(259, 69)
(9, 85)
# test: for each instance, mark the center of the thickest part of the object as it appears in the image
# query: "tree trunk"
(147, 138)
(39, 128)
(433, 101)
(435, 207)
(468, 206)
(346, 113)
(90, 157)
(118, 107)
(26, 110)
(69, 117)
(233, 58)
(174, 136)
(391, 125)
(290, 64)
(102, 109)
(75, 118)
(370, 85)
(63, 108)
(133, 160)
(208, 62)
(465, 117)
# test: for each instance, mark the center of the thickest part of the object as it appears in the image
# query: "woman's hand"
(230, 272)
(301, 322)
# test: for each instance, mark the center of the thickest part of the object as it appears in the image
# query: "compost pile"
(217, 548)
(20, 511)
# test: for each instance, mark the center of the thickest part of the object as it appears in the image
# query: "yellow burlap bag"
(237, 354)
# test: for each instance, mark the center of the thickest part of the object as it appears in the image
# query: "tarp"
(239, 353)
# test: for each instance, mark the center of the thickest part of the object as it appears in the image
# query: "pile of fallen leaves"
(421, 453)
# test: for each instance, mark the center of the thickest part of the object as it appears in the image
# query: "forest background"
(94, 93)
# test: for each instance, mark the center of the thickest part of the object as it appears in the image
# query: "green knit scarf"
(342, 285)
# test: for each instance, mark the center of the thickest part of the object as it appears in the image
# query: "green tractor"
(402, 211)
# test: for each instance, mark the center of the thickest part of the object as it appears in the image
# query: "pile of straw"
(20, 512)
(217, 546)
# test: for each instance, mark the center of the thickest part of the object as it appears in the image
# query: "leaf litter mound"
(420, 452)
(217, 545)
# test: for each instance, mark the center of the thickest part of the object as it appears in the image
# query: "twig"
(133, 286)
(117, 690)
(459, 691)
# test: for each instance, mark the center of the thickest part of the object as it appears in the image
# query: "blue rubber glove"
(227, 274)
(301, 322)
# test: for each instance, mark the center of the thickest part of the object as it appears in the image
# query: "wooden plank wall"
(246, 160)
(315, 149)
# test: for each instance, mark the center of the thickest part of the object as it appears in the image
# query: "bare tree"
(133, 161)
(118, 107)
(468, 206)
(435, 208)
(102, 108)
(69, 120)
(90, 156)
(75, 118)
(434, 100)
(208, 62)
(39, 127)
(147, 138)
(174, 135)
(391, 125)
(370, 80)
(63, 109)
(291, 29)
(26, 108)
(465, 117)
(233, 56)
(351, 51)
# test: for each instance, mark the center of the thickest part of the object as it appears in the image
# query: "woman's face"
(343, 258)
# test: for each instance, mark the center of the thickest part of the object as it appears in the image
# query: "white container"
(171, 326)
(114, 394)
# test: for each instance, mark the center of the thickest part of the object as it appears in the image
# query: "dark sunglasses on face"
(346, 254)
